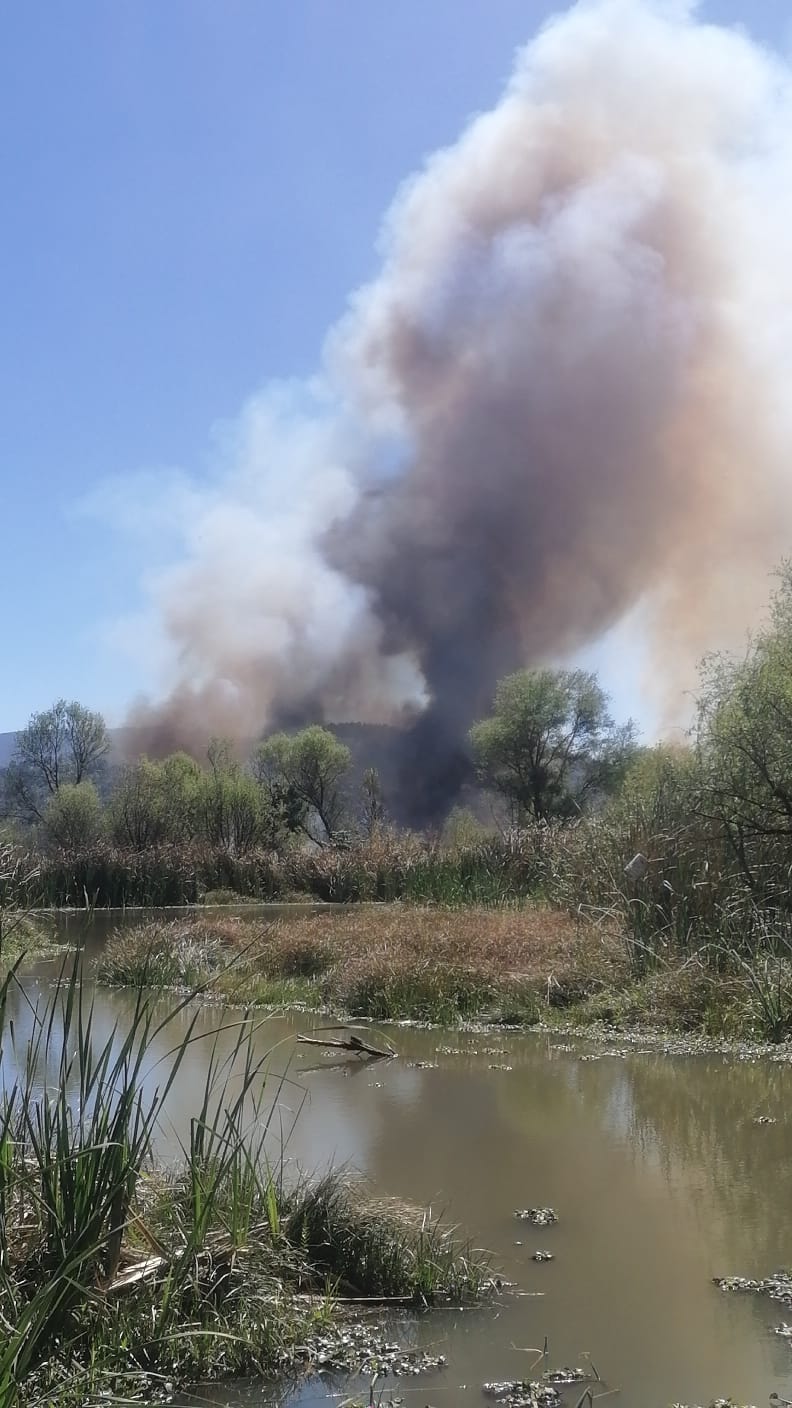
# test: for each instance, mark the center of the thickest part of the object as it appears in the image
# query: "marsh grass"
(450, 966)
(20, 933)
(696, 903)
(361, 1243)
(384, 963)
(114, 1276)
(389, 865)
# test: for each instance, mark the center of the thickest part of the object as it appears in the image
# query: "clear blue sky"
(190, 190)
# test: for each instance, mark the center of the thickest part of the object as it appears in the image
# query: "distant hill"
(6, 748)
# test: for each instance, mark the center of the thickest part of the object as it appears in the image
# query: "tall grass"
(405, 1253)
(705, 896)
(384, 963)
(388, 866)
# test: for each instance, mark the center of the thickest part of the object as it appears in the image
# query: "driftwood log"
(351, 1043)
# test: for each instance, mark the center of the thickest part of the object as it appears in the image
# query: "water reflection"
(658, 1172)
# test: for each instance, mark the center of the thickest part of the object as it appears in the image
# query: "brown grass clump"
(394, 962)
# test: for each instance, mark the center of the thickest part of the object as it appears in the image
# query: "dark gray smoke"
(562, 399)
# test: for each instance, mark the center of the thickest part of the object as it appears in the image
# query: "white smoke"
(562, 400)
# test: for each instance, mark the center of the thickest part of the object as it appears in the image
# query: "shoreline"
(533, 970)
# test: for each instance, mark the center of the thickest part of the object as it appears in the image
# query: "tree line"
(550, 752)
(63, 784)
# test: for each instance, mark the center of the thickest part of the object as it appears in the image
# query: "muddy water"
(658, 1173)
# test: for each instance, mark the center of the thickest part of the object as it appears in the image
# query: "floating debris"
(728, 1403)
(517, 1394)
(542, 1256)
(352, 1043)
(777, 1287)
(784, 1330)
(358, 1348)
(540, 1217)
(591, 1057)
(495, 1067)
(765, 1119)
(423, 1065)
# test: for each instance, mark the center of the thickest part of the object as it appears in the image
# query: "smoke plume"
(563, 397)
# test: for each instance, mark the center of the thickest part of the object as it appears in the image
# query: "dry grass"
(395, 962)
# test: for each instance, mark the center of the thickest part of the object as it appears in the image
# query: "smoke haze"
(564, 397)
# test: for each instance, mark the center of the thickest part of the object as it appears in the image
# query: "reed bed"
(388, 866)
(702, 898)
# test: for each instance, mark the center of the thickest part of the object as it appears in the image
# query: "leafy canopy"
(744, 735)
(304, 775)
(551, 746)
(67, 744)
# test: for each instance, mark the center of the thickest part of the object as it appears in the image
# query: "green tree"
(551, 747)
(67, 744)
(744, 745)
(303, 775)
(661, 784)
(231, 804)
(72, 816)
(182, 779)
(139, 815)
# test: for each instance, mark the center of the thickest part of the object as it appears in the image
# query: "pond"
(659, 1173)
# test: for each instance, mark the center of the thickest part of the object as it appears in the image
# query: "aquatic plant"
(114, 1275)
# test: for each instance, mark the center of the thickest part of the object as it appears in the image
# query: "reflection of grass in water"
(701, 1114)
(113, 1276)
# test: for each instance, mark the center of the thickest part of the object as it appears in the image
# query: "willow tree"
(744, 746)
(65, 745)
(551, 747)
(304, 775)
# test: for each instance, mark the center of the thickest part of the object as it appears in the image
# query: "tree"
(551, 746)
(181, 786)
(232, 806)
(303, 775)
(660, 787)
(67, 744)
(372, 803)
(744, 744)
(138, 810)
(73, 816)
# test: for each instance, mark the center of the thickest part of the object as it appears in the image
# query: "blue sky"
(190, 192)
